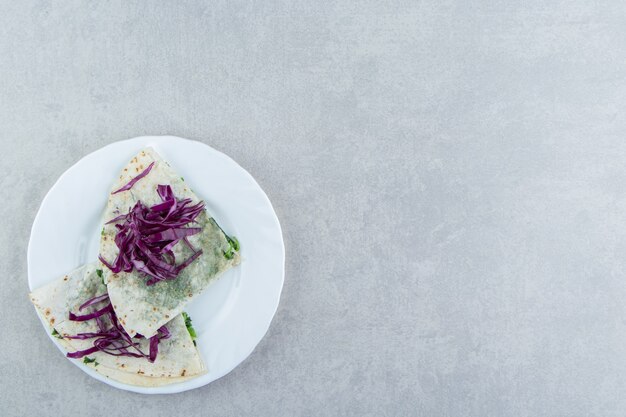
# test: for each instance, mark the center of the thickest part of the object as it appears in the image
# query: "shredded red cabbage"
(90, 316)
(147, 235)
(134, 180)
(94, 300)
(113, 339)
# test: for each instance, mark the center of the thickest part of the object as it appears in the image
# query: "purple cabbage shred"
(134, 180)
(111, 338)
(146, 236)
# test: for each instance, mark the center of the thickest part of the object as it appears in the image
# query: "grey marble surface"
(450, 177)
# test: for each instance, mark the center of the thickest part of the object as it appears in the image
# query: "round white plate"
(233, 314)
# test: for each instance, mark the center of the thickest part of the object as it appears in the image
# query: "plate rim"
(186, 385)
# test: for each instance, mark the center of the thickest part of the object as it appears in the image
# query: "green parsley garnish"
(99, 272)
(190, 329)
(102, 232)
(56, 334)
(233, 241)
(233, 246)
(87, 359)
(182, 179)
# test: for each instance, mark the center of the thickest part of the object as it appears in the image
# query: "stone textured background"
(450, 177)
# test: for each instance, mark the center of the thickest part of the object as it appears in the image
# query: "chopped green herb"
(102, 232)
(56, 334)
(235, 243)
(232, 242)
(182, 179)
(190, 329)
(87, 359)
(233, 246)
(100, 274)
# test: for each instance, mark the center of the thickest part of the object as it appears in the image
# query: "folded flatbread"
(144, 308)
(177, 360)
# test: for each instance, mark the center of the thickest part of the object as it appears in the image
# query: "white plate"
(233, 314)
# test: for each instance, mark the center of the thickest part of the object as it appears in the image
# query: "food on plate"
(77, 309)
(159, 247)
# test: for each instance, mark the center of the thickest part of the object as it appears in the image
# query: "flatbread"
(124, 377)
(141, 308)
(177, 360)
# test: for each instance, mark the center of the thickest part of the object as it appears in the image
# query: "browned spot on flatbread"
(51, 320)
(167, 316)
(153, 308)
(136, 169)
(183, 372)
(65, 278)
(143, 153)
(140, 372)
(122, 365)
(47, 311)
